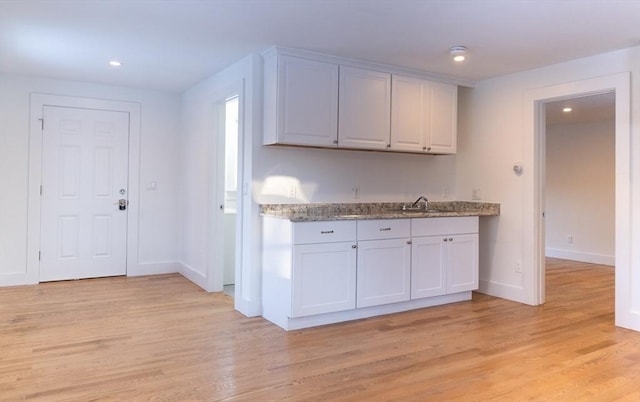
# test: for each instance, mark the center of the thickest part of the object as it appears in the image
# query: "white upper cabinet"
(317, 101)
(444, 118)
(365, 109)
(305, 96)
(423, 116)
(409, 109)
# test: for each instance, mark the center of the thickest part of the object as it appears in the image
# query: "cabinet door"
(428, 274)
(365, 109)
(442, 127)
(462, 263)
(410, 99)
(324, 278)
(307, 102)
(384, 272)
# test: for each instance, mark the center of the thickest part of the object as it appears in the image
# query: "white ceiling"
(586, 109)
(172, 44)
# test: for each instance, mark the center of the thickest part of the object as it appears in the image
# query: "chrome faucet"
(421, 198)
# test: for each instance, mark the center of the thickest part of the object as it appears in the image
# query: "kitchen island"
(327, 263)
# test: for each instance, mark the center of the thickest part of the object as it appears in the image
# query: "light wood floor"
(161, 338)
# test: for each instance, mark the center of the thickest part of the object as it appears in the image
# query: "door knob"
(122, 204)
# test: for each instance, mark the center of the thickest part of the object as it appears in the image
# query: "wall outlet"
(475, 194)
(355, 191)
(445, 191)
(570, 239)
(518, 267)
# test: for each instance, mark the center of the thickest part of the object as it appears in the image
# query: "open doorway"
(619, 84)
(227, 168)
(230, 209)
(579, 205)
(580, 179)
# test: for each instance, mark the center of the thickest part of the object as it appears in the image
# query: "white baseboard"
(193, 275)
(153, 268)
(17, 279)
(580, 256)
(502, 290)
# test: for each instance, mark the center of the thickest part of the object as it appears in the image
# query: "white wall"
(493, 135)
(328, 175)
(201, 230)
(157, 243)
(580, 192)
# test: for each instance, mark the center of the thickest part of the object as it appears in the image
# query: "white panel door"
(384, 272)
(462, 263)
(428, 274)
(365, 109)
(324, 278)
(444, 116)
(84, 175)
(307, 102)
(410, 99)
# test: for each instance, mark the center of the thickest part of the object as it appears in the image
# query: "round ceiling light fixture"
(115, 63)
(459, 53)
(567, 109)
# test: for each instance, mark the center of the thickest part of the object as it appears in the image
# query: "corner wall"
(157, 243)
(493, 135)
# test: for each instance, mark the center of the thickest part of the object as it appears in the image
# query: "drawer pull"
(354, 246)
(326, 231)
(385, 229)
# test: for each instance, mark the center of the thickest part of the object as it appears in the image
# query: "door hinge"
(39, 255)
(41, 189)
(41, 124)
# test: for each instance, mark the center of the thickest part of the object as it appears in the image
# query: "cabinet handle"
(385, 229)
(354, 246)
(408, 241)
(450, 238)
(326, 231)
(445, 239)
(335, 142)
(424, 148)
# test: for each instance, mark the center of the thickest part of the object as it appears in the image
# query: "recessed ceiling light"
(458, 53)
(115, 63)
(566, 109)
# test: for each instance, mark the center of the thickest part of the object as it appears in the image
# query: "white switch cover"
(475, 194)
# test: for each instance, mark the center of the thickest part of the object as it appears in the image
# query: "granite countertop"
(379, 210)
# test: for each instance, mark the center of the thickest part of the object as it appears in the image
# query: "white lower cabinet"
(317, 273)
(428, 274)
(445, 261)
(324, 278)
(384, 272)
(462, 262)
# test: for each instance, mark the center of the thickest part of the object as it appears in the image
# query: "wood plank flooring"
(161, 338)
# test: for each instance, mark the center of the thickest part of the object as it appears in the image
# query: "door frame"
(216, 233)
(37, 103)
(534, 248)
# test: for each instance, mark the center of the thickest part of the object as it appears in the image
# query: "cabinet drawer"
(439, 226)
(379, 229)
(324, 232)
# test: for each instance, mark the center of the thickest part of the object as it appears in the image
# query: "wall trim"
(193, 275)
(502, 290)
(580, 256)
(153, 268)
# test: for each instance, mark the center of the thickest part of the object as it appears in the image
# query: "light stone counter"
(386, 210)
